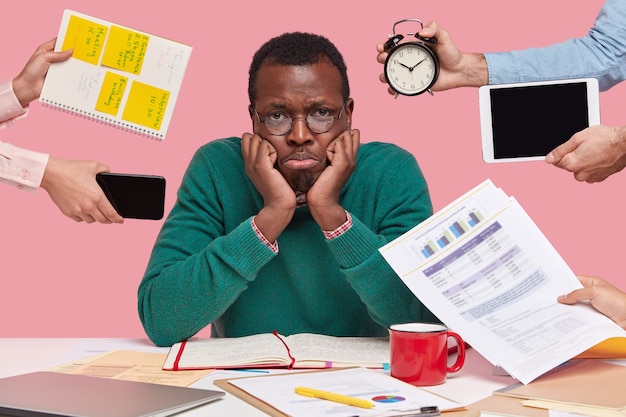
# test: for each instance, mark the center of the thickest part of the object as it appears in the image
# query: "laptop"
(39, 394)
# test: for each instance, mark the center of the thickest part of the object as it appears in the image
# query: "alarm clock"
(412, 67)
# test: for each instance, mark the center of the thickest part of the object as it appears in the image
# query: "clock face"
(411, 68)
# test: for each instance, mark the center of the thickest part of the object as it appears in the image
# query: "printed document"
(390, 396)
(484, 268)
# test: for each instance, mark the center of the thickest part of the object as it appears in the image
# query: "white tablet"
(525, 121)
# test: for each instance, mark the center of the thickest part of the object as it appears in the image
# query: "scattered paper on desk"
(589, 387)
(573, 409)
(556, 413)
(486, 270)
(389, 395)
(131, 366)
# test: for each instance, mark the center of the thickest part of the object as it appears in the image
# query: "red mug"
(419, 353)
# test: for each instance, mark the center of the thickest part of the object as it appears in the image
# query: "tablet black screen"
(533, 120)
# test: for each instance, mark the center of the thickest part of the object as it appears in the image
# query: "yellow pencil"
(330, 396)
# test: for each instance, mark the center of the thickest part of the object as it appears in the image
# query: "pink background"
(59, 278)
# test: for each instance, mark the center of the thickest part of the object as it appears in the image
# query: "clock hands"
(413, 67)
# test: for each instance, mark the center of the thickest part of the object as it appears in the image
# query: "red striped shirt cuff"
(272, 246)
(340, 230)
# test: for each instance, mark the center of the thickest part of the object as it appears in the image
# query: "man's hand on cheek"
(341, 154)
(343, 150)
(259, 159)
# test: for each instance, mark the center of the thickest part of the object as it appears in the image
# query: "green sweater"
(209, 267)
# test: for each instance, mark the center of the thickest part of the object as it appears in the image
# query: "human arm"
(73, 188)
(457, 68)
(71, 184)
(323, 197)
(279, 200)
(592, 154)
(10, 108)
(603, 296)
(600, 54)
(29, 82)
(16, 94)
(383, 206)
(207, 251)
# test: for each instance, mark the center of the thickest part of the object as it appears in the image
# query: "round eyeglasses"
(318, 120)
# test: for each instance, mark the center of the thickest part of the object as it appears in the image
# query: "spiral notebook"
(116, 75)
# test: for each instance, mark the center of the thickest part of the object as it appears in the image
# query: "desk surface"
(17, 356)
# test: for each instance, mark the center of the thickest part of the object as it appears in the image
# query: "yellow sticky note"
(86, 38)
(125, 50)
(146, 105)
(111, 93)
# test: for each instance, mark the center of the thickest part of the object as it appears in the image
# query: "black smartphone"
(134, 196)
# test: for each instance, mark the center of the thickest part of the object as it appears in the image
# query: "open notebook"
(40, 394)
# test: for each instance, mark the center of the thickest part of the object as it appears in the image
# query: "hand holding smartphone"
(134, 196)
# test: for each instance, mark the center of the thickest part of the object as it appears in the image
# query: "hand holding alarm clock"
(412, 67)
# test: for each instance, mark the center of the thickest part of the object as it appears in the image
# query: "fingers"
(557, 154)
(346, 146)
(432, 30)
(356, 140)
(47, 46)
(252, 143)
(258, 153)
(246, 144)
(104, 212)
(98, 210)
(586, 293)
(588, 281)
(382, 54)
(72, 186)
(59, 56)
(575, 296)
(589, 154)
(46, 50)
(102, 215)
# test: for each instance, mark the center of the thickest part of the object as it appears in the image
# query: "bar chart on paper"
(496, 283)
(448, 231)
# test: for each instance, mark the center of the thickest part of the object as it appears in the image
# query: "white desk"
(17, 356)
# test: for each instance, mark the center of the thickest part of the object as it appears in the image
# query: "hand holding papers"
(486, 270)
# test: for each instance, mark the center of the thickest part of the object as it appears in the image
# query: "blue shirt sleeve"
(601, 54)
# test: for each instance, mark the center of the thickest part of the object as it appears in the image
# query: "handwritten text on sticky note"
(146, 105)
(111, 93)
(125, 50)
(86, 38)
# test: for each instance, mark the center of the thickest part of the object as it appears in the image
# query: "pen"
(430, 411)
(339, 398)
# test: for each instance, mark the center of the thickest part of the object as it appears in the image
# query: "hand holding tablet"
(525, 121)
